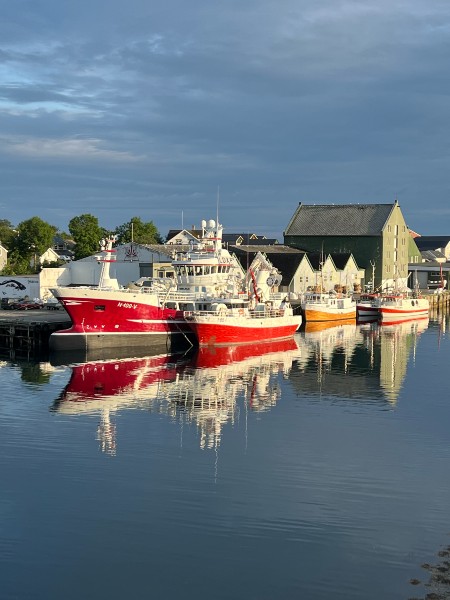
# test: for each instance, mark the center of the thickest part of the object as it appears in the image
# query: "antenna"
(182, 220)
(217, 207)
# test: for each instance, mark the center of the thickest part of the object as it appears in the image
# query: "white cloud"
(75, 148)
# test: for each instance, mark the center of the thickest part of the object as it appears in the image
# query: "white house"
(183, 237)
(3, 257)
(49, 256)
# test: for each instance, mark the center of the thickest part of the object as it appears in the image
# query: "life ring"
(241, 312)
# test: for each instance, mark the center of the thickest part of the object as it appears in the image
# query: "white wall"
(49, 278)
(19, 286)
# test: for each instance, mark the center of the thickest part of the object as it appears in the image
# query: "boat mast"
(106, 280)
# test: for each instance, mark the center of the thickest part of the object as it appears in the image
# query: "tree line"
(29, 239)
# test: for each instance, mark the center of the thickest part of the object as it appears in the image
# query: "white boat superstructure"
(319, 306)
(407, 305)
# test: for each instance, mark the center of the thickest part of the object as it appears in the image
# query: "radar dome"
(203, 224)
(211, 223)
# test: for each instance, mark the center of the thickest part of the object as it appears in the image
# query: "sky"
(177, 111)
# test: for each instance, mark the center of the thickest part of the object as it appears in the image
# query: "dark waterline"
(310, 470)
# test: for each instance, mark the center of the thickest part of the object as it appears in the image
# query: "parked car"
(8, 303)
(28, 305)
(52, 304)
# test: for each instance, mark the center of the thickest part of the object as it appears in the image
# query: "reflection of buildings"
(203, 390)
(359, 362)
(398, 343)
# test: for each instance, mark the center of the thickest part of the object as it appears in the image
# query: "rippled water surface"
(317, 469)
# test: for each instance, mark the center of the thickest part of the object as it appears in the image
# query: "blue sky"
(137, 108)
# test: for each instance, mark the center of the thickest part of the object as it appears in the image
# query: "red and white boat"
(260, 316)
(151, 311)
(235, 322)
(396, 307)
(368, 305)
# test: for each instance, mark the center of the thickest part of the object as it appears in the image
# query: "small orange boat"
(328, 307)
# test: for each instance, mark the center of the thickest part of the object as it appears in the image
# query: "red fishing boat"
(240, 323)
(399, 306)
(151, 311)
(259, 317)
(210, 290)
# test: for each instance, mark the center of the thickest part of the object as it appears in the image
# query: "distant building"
(63, 248)
(49, 256)
(376, 235)
(3, 257)
(133, 261)
(434, 243)
(192, 236)
(183, 237)
(303, 271)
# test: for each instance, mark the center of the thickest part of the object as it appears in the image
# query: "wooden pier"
(439, 303)
(27, 333)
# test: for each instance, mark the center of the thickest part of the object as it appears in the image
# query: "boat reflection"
(202, 388)
(361, 362)
(398, 344)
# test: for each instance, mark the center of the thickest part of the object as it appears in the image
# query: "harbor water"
(317, 468)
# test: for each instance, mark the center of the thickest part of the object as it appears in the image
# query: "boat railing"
(233, 312)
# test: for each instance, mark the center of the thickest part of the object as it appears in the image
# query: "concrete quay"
(27, 332)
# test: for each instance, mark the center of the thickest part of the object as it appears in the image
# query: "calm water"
(317, 469)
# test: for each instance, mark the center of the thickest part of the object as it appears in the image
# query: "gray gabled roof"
(431, 255)
(284, 258)
(431, 242)
(339, 219)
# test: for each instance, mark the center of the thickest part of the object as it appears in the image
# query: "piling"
(27, 333)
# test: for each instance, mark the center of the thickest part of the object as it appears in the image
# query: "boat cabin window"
(171, 305)
(187, 306)
(99, 307)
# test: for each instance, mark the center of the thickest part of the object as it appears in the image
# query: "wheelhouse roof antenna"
(217, 208)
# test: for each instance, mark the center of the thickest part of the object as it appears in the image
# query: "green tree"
(86, 233)
(7, 233)
(17, 264)
(34, 237)
(138, 231)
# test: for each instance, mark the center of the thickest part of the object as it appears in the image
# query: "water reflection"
(202, 388)
(364, 361)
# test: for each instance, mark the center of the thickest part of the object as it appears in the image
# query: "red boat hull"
(221, 334)
(115, 319)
